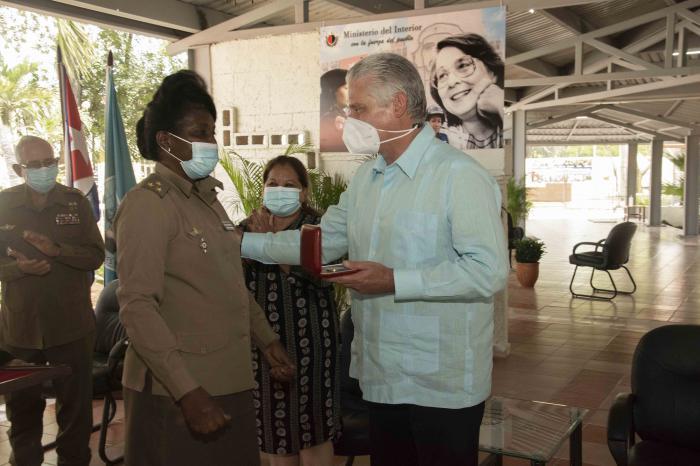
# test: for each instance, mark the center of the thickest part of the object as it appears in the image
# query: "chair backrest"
(109, 329)
(514, 233)
(666, 385)
(351, 394)
(618, 243)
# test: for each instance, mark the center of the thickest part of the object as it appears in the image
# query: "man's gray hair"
(391, 73)
(27, 140)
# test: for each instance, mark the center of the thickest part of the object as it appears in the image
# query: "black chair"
(611, 253)
(663, 409)
(107, 365)
(514, 234)
(354, 440)
(111, 343)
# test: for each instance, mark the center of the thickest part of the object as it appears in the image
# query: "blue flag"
(119, 174)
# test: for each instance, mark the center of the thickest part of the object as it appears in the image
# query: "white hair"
(392, 73)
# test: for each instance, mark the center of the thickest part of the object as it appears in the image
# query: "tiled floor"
(567, 351)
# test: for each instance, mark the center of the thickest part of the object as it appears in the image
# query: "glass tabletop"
(532, 430)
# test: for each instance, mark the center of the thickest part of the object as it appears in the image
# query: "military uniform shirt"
(50, 310)
(182, 296)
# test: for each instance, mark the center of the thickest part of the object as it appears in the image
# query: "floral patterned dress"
(302, 310)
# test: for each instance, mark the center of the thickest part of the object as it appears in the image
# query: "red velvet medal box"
(311, 254)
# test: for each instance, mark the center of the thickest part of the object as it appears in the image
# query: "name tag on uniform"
(68, 219)
(228, 225)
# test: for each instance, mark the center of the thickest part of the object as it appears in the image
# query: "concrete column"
(631, 197)
(199, 60)
(690, 194)
(519, 144)
(657, 151)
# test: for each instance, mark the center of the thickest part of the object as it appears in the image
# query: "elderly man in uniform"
(50, 243)
(421, 225)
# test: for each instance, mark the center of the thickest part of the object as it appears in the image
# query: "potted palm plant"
(528, 252)
(517, 204)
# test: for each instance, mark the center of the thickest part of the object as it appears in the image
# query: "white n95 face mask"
(362, 138)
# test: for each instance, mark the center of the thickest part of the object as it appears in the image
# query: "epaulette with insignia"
(13, 196)
(155, 183)
(75, 193)
(70, 190)
(19, 188)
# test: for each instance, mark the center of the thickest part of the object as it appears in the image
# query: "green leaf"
(516, 200)
(529, 250)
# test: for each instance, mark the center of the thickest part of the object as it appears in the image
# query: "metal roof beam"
(622, 139)
(690, 16)
(373, 7)
(155, 28)
(536, 66)
(602, 32)
(567, 19)
(171, 14)
(596, 61)
(301, 11)
(573, 128)
(674, 106)
(652, 134)
(693, 28)
(600, 77)
(649, 116)
(254, 16)
(602, 95)
(564, 117)
(615, 52)
(385, 9)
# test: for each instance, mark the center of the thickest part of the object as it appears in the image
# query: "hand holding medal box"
(311, 254)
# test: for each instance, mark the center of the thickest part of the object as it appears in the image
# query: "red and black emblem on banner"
(331, 40)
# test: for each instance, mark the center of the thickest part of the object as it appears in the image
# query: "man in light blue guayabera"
(422, 228)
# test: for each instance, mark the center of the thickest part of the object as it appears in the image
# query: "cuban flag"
(79, 172)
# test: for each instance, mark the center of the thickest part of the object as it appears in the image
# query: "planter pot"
(527, 273)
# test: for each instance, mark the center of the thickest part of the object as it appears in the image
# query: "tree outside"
(29, 93)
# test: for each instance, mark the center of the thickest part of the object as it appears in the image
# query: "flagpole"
(66, 137)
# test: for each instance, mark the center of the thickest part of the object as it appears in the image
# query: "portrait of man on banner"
(459, 56)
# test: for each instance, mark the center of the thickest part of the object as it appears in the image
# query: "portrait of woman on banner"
(466, 80)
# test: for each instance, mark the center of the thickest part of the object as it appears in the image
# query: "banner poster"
(459, 56)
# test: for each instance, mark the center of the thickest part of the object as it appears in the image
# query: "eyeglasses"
(40, 163)
(463, 68)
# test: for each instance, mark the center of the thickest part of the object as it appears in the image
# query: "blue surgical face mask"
(205, 156)
(42, 179)
(282, 201)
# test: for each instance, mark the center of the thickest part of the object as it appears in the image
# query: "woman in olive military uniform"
(183, 299)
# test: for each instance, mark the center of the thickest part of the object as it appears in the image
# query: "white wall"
(271, 82)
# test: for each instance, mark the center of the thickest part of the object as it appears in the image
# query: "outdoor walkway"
(567, 351)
